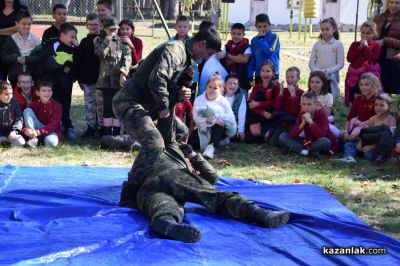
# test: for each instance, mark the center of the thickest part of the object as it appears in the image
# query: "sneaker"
(304, 152)
(209, 151)
(224, 142)
(347, 159)
(32, 143)
(71, 135)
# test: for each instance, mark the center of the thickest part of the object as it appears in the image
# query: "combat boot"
(168, 227)
(266, 218)
(128, 195)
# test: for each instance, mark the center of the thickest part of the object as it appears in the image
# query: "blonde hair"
(374, 80)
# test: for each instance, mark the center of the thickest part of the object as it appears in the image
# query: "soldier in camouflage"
(152, 93)
(174, 180)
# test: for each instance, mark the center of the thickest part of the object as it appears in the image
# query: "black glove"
(186, 149)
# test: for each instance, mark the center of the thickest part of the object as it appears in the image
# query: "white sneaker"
(224, 142)
(209, 151)
(304, 152)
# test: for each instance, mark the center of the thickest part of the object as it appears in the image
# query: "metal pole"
(218, 9)
(162, 19)
(305, 30)
(355, 30)
(291, 19)
(299, 29)
(119, 13)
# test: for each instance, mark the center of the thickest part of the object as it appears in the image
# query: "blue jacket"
(263, 49)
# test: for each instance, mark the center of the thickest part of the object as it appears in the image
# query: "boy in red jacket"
(43, 118)
(314, 123)
(24, 92)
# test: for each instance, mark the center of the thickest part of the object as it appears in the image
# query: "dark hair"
(205, 25)
(231, 76)
(58, 6)
(334, 25)
(309, 95)
(370, 25)
(4, 85)
(67, 27)
(44, 83)
(182, 18)
(385, 97)
(263, 18)
(106, 3)
(271, 65)
(23, 14)
(211, 36)
(26, 74)
(238, 26)
(92, 16)
(325, 84)
(127, 22)
(16, 5)
(294, 69)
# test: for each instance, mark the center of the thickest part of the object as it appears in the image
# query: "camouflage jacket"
(115, 58)
(172, 163)
(154, 84)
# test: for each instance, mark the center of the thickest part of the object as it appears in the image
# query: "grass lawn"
(372, 192)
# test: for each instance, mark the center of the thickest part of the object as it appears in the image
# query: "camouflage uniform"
(171, 182)
(152, 88)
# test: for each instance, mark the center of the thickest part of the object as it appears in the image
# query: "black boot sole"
(278, 218)
(182, 232)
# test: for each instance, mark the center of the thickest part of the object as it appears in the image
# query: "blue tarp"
(70, 216)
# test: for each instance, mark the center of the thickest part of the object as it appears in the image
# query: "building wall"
(280, 14)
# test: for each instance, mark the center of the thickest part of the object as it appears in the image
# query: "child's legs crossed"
(30, 119)
(289, 143)
(320, 145)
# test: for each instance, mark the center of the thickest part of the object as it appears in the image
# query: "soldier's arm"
(162, 73)
(206, 170)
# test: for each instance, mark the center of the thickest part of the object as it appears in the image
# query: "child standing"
(327, 55)
(363, 57)
(237, 99)
(42, 118)
(104, 9)
(24, 92)
(260, 118)
(56, 64)
(265, 46)
(18, 49)
(10, 117)
(287, 104)
(87, 65)
(314, 122)
(214, 118)
(182, 27)
(115, 61)
(126, 32)
(236, 55)
(60, 17)
(318, 84)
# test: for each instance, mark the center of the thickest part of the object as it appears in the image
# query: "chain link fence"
(141, 12)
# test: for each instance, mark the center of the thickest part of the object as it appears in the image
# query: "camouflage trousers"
(99, 106)
(139, 125)
(164, 195)
(89, 97)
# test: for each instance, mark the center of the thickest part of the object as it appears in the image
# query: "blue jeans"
(321, 145)
(350, 149)
(32, 122)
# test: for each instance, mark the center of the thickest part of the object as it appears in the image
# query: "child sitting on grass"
(43, 118)
(10, 117)
(314, 122)
(215, 121)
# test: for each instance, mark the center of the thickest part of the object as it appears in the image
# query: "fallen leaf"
(224, 162)
(297, 181)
